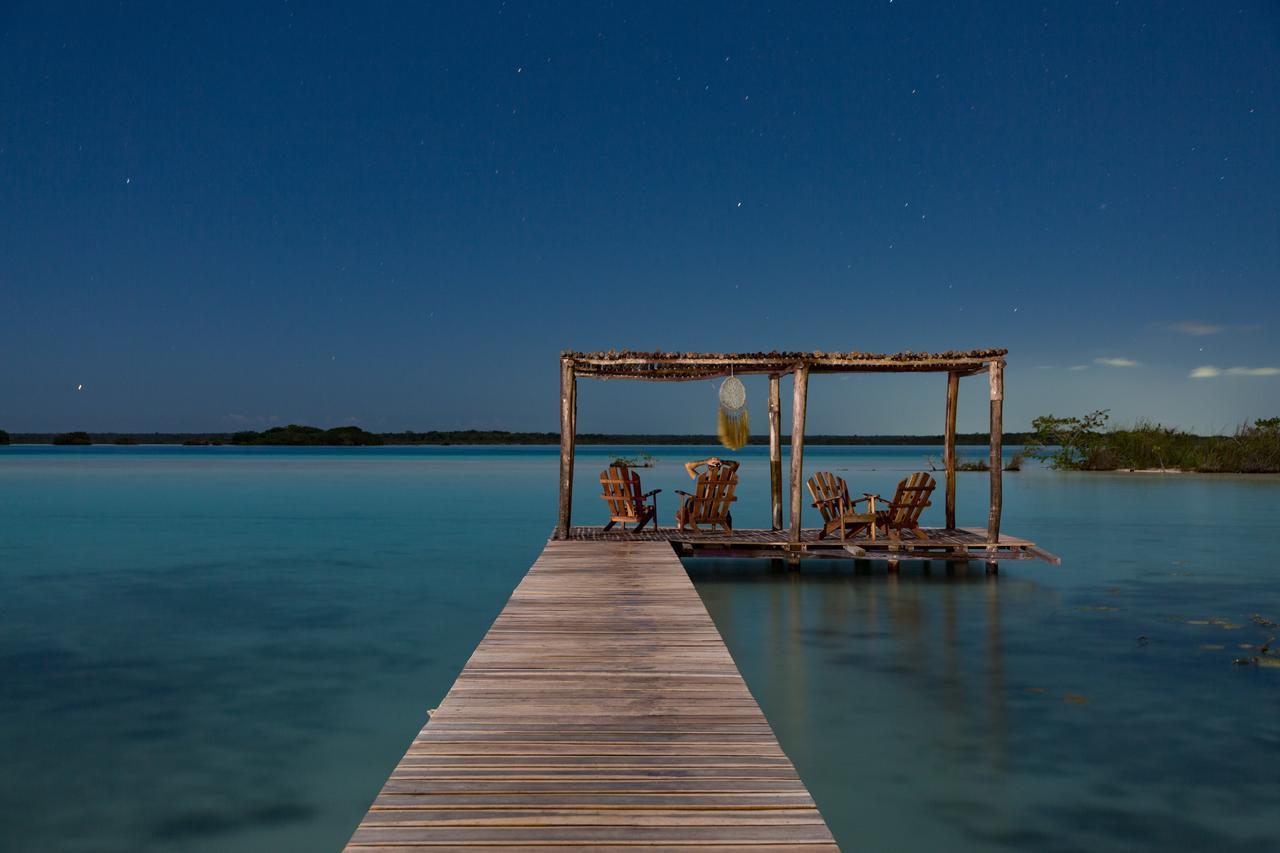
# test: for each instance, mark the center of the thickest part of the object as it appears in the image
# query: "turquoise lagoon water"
(221, 649)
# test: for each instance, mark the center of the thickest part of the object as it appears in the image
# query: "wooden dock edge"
(951, 545)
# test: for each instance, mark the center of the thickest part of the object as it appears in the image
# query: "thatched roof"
(632, 364)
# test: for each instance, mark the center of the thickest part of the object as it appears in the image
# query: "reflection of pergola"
(681, 367)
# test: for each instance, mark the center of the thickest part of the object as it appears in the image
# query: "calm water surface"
(219, 649)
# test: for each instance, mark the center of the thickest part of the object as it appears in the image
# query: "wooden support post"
(997, 458)
(775, 449)
(568, 436)
(949, 446)
(801, 377)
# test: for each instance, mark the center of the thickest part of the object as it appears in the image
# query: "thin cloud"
(1208, 371)
(1078, 367)
(1197, 330)
(235, 418)
(1117, 362)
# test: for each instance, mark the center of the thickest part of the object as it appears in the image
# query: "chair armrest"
(650, 494)
(686, 494)
(867, 496)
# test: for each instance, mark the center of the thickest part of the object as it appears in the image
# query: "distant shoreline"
(480, 438)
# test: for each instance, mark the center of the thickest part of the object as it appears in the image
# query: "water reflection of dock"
(601, 709)
(930, 644)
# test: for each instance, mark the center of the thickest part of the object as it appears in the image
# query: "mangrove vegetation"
(1087, 443)
(295, 435)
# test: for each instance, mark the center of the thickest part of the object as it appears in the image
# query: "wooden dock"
(956, 545)
(601, 710)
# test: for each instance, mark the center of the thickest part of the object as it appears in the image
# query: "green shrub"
(1067, 443)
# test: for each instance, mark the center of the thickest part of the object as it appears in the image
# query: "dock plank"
(601, 710)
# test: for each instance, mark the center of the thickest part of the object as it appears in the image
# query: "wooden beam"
(949, 446)
(568, 435)
(775, 449)
(973, 371)
(797, 447)
(997, 451)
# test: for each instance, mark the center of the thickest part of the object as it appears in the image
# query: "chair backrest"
(828, 490)
(713, 494)
(910, 499)
(621, 487)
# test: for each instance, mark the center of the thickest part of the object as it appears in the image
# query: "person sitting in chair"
(711, 463)
(711, 505)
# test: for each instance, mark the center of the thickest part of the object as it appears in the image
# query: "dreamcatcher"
(735, 426)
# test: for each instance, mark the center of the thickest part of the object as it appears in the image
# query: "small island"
(295, 435)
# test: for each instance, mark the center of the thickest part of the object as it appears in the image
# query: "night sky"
(232, 217)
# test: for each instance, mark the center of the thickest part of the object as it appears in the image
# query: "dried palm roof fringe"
(816, 355)
(634, 364)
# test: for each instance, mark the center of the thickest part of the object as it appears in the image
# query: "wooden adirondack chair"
(831, 498)
(903, 512)
(627, 502)
(709, 504)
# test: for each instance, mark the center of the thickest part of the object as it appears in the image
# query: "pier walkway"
(601, 710)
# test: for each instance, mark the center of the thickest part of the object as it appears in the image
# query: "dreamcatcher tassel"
(735, 429)
(735, 424)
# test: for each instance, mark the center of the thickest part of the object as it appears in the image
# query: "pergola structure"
(688, 366)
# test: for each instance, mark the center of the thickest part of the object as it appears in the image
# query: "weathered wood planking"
(964, 543)
(967, 537)
(601, 710)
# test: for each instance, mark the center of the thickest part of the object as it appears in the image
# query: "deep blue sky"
(234, 216)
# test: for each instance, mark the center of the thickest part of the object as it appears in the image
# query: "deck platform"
(960, 544)
(601, 710)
